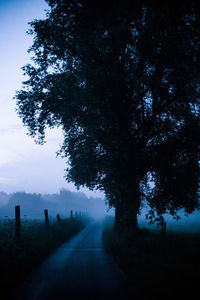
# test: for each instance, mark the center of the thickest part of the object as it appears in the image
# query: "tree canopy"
(122, 79)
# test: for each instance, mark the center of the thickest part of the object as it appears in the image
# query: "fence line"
(46, 219)
(17, 222)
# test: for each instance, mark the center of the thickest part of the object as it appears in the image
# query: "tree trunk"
(126, 210)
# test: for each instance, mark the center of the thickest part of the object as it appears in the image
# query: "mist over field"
(32, 205)
(186, 223)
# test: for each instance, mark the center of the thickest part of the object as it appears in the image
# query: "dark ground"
(20, 256)
(166, 268)
(79, 269)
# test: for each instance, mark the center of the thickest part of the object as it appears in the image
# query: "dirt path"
(79, 269)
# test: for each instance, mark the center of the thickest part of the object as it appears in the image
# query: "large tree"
(122, 80)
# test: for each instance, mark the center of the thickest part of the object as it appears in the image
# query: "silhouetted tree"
(122, 80)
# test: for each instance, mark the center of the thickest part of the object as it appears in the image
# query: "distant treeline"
(33, 205)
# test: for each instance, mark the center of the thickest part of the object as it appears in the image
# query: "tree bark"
(126, 210)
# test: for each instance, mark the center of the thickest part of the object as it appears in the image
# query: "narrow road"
(79, 269)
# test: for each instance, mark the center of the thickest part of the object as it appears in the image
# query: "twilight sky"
(24, 166)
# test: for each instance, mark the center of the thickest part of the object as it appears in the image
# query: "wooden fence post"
(71, 214)
(58, 218)
(17, 222)
(46, 217)
(76, 214)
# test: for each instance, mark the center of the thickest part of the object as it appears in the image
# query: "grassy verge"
(19, 257)
(160, 268)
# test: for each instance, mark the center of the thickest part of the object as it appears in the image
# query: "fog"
(32, 205)
(186, 223)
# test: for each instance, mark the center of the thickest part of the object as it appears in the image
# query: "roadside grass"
(160, 268)
(19, 257)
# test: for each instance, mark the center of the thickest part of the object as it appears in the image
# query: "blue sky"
(24, 166)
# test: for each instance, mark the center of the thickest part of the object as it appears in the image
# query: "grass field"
(160, 268)
(19, 257)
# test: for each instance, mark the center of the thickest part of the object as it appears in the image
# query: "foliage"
(122, 80)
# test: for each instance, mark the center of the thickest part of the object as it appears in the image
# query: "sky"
(24, 165)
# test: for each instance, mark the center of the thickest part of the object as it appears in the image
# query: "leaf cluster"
(122, 80)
